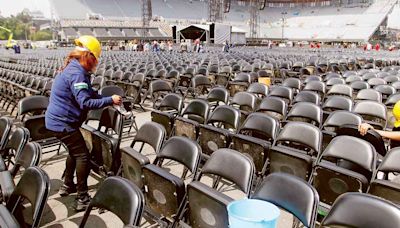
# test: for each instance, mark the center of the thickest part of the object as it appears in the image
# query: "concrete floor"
(59, 211)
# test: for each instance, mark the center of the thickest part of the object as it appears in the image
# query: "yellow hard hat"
(396, 114)
(91, 44)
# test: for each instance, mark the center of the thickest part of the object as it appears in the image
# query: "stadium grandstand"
(201, 114)
(351, 21)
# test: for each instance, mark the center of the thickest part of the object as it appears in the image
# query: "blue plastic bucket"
(251, 213)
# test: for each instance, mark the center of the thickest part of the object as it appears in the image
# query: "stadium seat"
(362, 210)
(273, 106)
(202, 198)
(255, 137)
(215, 133)
(169, 108)
(17, 141)
(103, 142)
(188, 123)
(300, 199)
(372, 112)
(29, 156)
(151, 134)
(165, 191)
(382, 186)
(120, 197)
(346, 165)
(34, 187)
(294, 150)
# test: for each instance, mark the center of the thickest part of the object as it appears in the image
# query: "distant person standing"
(170, 46)
(17, 49)
(140, 46)
(184, 46)
(147, 47)
(162, 46)
(377, 46)
(197, 45)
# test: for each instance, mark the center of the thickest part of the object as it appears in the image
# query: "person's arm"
(80, 90)
(393, 135)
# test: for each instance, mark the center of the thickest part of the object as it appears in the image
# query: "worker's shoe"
(82, 202)
(66, 190)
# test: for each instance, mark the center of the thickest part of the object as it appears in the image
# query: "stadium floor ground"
(60, 212)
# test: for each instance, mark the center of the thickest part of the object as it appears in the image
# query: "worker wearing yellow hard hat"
(72, 96)
(396, 114)
(89, 43)
(394, 135)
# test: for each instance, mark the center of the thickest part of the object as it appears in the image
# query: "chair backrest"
(339, 118)
(137, 78)
(258, 89)
(151, 133)
(293, 83)
(300, 199)
(305, 134)
(242, 77)
(159, 86)
(359, 85)
(240, 169)
(18, 140)
(385, 90)
(33, 186)
(337, 103)
(245, 100)
(316, 86)
(29, 156)
(199, 109)
(183, 150)
(376, 81)
(392, 100)
(200, 80)
(391, 161)
(372, 109)
(306, 111)
(108, 91)
(219, 94)
(227, 115)
(369, 94)
(274, 105)
(121, 197)
(260, 125)
(335, 81)
(307, 96)
(362, 210)
(171, 102)
(340, 89)
(282, 92)
(111, 119)
(32, 104)
(354, 150)
(5, 128)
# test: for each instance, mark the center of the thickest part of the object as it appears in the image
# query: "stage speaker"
(262, 4)
(174, 33)
(212, 33)
(227, 6)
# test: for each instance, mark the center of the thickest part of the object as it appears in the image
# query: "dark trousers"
(78, 159)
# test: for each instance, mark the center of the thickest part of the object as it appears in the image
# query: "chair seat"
(7, 184)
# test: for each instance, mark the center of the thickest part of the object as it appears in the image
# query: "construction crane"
(10, 41)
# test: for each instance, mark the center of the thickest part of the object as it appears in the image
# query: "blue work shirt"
(71, 98)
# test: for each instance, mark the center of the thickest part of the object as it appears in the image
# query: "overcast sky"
(9, 7)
